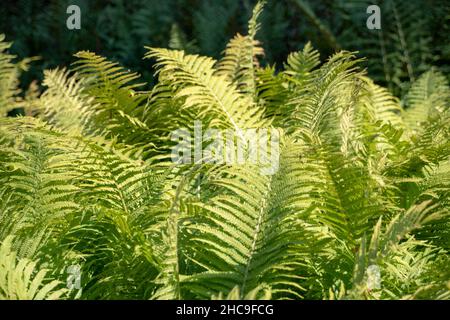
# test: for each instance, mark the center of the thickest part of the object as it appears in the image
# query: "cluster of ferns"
(358, 208)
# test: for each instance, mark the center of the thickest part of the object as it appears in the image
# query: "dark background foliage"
(414, 33)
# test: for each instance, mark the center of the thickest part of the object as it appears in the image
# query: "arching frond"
(427, 96)
(118, 108)
(21, 280)
(64, 103)
(215, 99)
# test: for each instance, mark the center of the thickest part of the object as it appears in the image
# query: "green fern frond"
(428, 95)
(178, 41)
(64, 103)
(300, 64)
(21, 280)
(241, 56)
(9, 78)
(239, 63)
(313, 111)
(118, 108)
(260, 252)
(215, 99)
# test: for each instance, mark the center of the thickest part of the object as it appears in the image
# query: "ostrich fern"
(362, 182)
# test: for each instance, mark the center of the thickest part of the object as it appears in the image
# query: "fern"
(9, 77)
(195, 81)
(241, 55)
(428, 95)
(356, 206)
(20, 281)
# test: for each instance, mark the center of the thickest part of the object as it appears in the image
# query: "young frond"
(317, 103)
(300, 64)
(240, 59)
(239, 63)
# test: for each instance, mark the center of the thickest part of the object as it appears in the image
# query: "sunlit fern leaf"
(317, 104)
(63, 103)
(376, 122)
(241, 56)
(118, 107)
(37, 172)
(21, 279)
(9, 78)
(382, 105)
(300, 64)
(347, 206)
(239, 63)
(214, 99)
(276, 90)
(259, 252)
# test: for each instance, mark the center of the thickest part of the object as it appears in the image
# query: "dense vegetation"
(361, 191)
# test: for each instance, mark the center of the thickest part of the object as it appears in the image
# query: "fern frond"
(241, 56)
(313, 111)
(178, 41)
(63, 103)
(9, 78)
(428, 95)
(20, 279)
(300, 64)
(264, 220)
(214, 98)
(239, 63)
(118, 108)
